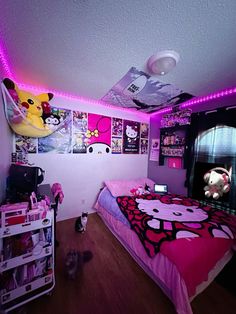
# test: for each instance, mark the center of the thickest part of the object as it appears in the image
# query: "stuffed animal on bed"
(140, 190)
(137, 191)
(29, 104)
(218, 183)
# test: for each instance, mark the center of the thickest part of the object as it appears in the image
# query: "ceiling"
(84, 47)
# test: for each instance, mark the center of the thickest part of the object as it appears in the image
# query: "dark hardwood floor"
(112, 283)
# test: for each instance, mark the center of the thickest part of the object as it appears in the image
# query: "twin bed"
(179, 244)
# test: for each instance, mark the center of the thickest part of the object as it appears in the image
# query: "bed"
(183, 261)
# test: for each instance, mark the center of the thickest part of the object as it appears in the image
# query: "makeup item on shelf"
(42, 236)
(7, 248)
(30, 272)
(172, 139)
(48, 234)
(25, 274)
(37, 245)
(35, 238)
(40, 267)
(19, 275)
(1, 249)
(33, 201)
(13, 157)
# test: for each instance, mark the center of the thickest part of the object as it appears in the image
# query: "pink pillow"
(123, 187)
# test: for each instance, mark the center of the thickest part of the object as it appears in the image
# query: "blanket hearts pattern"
(157, 219)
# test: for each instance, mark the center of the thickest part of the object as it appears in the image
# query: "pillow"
(123, 187)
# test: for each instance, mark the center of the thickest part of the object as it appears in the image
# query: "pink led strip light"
(4, 62)
(209, 97)
(199, 100)
(84, 100)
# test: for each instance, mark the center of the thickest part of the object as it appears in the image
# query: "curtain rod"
(211, 111)
(232, 107)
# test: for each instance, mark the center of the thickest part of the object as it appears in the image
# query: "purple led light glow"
(196, 100)
(4, 62)
(199, 100)
(165, 110)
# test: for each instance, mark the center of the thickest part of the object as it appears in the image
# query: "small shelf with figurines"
(174, 127)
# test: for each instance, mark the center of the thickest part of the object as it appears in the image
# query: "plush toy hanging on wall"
(218, 180)
(27, 113)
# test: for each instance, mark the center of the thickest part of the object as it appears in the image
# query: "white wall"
(82, 175)
(5, 146)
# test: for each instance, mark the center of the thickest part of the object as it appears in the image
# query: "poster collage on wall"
(88, 133)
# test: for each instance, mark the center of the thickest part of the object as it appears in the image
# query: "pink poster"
(99, 134)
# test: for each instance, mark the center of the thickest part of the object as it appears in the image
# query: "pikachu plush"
(32, 107)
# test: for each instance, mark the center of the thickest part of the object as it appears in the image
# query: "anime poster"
(60, 140)
(140, 91)
(117, 127)
(144, 146)
(80, 143)
(144, 128)
(116, 145)
(26, 145)
(155, 149)
(80, 121)
(98, 134)
(131, 132)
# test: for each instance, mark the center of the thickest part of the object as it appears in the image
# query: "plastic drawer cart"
(27, 253)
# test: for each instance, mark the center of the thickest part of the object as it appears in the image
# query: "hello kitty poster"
(131, 135)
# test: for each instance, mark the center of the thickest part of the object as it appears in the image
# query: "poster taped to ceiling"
(138, 90)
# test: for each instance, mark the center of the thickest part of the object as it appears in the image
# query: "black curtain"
(210, 142)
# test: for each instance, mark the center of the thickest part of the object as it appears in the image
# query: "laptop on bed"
(161, 189)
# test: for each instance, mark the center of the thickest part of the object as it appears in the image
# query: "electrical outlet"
(83, 201)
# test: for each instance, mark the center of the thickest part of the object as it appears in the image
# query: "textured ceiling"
(85, 46)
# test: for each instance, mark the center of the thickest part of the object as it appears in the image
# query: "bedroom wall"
(175, 178)
(82, 175)
(5, 146)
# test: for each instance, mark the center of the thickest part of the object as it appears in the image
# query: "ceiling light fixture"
(162, 62)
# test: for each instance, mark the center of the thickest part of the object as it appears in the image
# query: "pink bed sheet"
(173, 274)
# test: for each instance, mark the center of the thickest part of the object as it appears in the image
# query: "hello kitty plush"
(218, 183)
(137, 191)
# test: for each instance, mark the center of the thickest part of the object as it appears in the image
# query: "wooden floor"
(112, 283)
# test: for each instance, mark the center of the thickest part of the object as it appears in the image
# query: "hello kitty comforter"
(157, 219)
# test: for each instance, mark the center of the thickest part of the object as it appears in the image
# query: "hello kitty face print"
(131, 133)
(176, 212)
(131, 137)
(157, 219)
